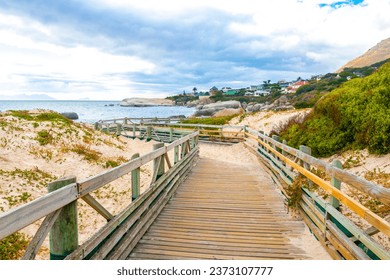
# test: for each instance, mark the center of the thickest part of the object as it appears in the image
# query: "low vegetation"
(40, 117)
(354, 116)
(13, 246)
(44, 137)
(209, 121)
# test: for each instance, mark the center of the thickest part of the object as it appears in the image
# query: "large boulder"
(211, 109)
(70, 115)
(228, 112)
(281, 104)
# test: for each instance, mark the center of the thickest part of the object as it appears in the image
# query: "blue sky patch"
(340, 4)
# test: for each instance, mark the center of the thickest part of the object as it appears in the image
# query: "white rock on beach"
(146, 102)
(211, 109)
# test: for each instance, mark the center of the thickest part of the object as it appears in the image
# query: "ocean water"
(92, 111)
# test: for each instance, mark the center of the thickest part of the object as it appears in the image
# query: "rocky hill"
(376, 54)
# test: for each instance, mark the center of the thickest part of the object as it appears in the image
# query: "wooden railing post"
(176, 154)
(306, 150)
(193, 144)
(184, 148)
(283, 151)
(135, 180)
(148, 133)
(260, 145)
(171, 134)
(158, 163)
(336, 183)
(134, 129)
(118, 129)
(276, 138)
(64, 232)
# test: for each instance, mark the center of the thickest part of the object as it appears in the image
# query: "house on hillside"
(254, 88)
(261, 92)
(292, 88)
(283, 85)
(213, 90)
(226, 89)
(230, 92)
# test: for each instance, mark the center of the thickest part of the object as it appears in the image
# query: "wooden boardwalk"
(223, 211)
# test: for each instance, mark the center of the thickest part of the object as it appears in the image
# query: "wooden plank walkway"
(222, 211)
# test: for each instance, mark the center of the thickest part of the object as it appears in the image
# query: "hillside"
(355, 115)
(376, 54)
(307, 95)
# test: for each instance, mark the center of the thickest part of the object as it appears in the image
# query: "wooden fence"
(338, 234)
(168, 130)
(125, 228)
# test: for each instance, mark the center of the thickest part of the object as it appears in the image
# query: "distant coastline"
(90, 111)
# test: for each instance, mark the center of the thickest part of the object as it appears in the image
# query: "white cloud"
(301, 26)
(26, 59)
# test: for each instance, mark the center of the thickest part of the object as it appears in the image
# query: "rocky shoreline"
(208, 108)
(235, 107)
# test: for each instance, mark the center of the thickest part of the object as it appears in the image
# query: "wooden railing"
(338, 234)
(60, 211)
(169, 130)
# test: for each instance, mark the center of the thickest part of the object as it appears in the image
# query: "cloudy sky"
(113, 49)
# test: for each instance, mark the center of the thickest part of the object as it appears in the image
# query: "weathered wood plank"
(97, 206)
(229, 242)
(28, 213)
(357, 252)
(135, 180)
(40, 235)
(341, 248)
(250, 254)
(352, 228)
(64, 236)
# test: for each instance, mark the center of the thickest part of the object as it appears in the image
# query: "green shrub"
(44, 137)
(42, 117)
(13, 246)
(209, 121)
(22, 114)
(52, 117)
(88, 153)
(356, 115)
(111, 163)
